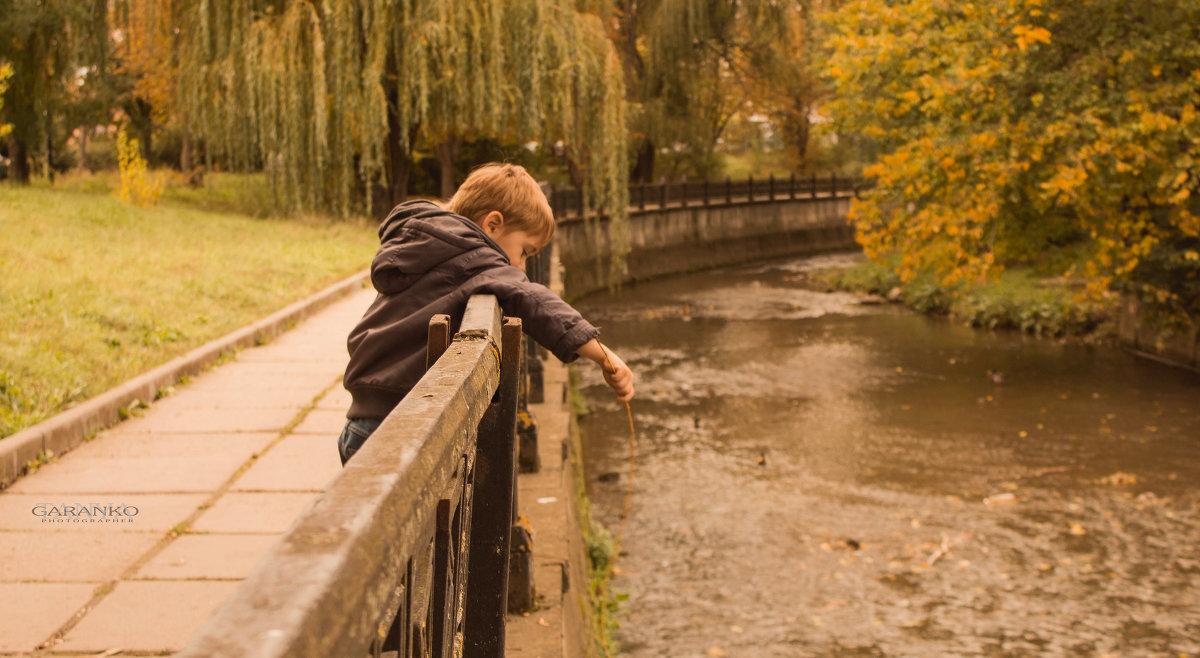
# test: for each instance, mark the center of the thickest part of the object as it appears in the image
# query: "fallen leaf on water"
(737, 629)
(1119, 478)
(1000, 499)
(716, 652)
(542, 621)
(1077, 529)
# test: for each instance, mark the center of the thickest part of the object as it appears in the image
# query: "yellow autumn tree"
(5, 74)
(1012, 130)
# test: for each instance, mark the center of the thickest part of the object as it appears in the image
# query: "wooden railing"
(408, 548)
(568, 202)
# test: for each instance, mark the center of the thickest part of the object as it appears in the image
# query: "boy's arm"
(549, 320)
(617, 375)
(554, 323)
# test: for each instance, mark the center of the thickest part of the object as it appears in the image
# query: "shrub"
(136, 185)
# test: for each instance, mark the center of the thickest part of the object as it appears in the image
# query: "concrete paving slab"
(81, 556)
(253, 512)
(35, 610)
(309, 349)
(156, 513)
(116, 444)
(148, 616)
(181, 473)
(338, 400)
(222, 400)
(244, 379)
(299, 462)
(207, 556)
(216, 420)
(326, 422)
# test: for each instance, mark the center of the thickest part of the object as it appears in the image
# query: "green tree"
(1013, 129)
(47, 43)
(694, 64)
(332, 97)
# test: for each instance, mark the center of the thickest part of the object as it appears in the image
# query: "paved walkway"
(217, 472)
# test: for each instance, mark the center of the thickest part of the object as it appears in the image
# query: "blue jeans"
(354, 435)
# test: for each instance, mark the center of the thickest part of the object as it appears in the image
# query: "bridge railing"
(568, 202)
(408, 548)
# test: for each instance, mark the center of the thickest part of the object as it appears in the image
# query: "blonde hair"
(509, 189)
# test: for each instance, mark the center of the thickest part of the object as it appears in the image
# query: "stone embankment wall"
(680, 239)
(1141, 332)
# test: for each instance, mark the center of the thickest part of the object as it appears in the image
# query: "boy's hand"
(617, 375)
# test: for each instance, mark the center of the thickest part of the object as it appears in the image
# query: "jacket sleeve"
(550, 321)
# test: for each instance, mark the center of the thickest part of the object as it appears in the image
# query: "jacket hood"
(418, 236)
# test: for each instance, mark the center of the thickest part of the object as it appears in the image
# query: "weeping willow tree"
(692, 65)
(330, 99)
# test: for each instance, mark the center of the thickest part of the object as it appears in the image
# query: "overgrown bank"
(94, 291)
(599, 546)
(1018, 299)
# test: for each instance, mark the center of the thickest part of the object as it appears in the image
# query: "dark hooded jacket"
(430, 261)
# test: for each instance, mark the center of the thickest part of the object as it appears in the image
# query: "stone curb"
(68, 429)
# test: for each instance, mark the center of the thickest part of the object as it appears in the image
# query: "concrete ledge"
(68, 429)
(684, 238)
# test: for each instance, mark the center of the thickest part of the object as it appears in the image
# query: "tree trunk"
(139, 117)
(399, 157)
(18, 155)
(50, 154)
(84, 133)
(394, 190)
(643, 169)
(185, 153)
(574, 171)
(796, 135)
(447, 153)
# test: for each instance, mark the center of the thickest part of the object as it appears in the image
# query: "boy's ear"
(492, 223)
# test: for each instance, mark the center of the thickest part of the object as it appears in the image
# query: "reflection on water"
(924, 489)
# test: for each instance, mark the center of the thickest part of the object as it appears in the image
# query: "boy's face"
(517, 244)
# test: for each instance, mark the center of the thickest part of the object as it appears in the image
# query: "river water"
(817, 477)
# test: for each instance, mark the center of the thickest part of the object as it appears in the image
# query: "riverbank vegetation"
(1010, 131)
(94, 291)
(1016, 299)
(599, 546)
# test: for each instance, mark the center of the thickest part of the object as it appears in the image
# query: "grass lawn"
(94, 291)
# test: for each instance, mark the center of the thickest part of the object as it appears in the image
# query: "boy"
(430, 261)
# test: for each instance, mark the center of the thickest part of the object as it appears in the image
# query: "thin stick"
(612, 562)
